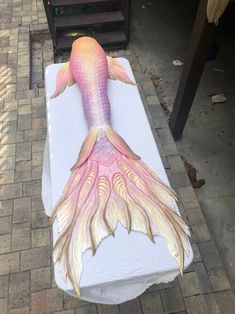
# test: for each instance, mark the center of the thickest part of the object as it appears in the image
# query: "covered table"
(125, 266)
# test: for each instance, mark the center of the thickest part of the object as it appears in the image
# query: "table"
(125, 266)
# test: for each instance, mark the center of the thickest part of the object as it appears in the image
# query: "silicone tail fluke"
(104, 190)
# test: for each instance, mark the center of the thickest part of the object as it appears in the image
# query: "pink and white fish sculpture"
(109, 183)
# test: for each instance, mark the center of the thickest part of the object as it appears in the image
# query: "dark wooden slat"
(200, 44)
(111, 37)
(88, 19)
(49, 14)
(105, 39)
(64, 3)
(126, 10)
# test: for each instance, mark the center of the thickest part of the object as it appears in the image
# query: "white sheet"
(125, 266)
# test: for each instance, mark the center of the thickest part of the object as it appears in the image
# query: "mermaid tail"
(110, 184)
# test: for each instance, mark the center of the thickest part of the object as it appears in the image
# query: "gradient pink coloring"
(108, 183)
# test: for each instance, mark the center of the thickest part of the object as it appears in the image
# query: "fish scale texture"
(88, 63)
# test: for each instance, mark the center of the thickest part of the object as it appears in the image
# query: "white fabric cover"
(125, 266)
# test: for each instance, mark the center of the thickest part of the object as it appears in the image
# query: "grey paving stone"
(4, 284)
(219, 280)
(201, 304)
(3, 306)
(157, 112)
(12, 137)
(21, 236)
(23, 171)
(8, 150)
(148, 88)
(24, 122)
(39, 123)
(5, 225)
(31, 188)
(19, 289)
(38, 113)
(8, 116)
(165, 136)
(20, 310)
(153, 100)
(203, 277)
(107, 309)
(170, 149)
(47, 301)
(72, 302)
(38, 102)
(37, 172)
(132, 306)
(40, 220)
(22, 210)
(10, 105)
(201, 233)
(40, 279)
(35, 258)
(38, 146)
(7, 177)
(172, 300)
(176, 164)
(24, 94)
(190, 268)
(210, 255)
(65, 312)
(37, 134)
(158, 142)
(196, 254)
(188, 197)
(37, 159)
(24, 109)
(9, 263)
(195, 282)
(88, 309)
(179, 180)
(37, 204)
(195, 216)
(6, 208)
(165, 162)
(5, 243)
(151, 303)
(10, 191)
(160, 124)
(40, 237)
(23, 84)
(226, 301)
(9, 126)
(23, 151)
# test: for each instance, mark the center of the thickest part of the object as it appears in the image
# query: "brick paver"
(26, 269)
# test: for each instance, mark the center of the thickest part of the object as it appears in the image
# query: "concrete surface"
(160, 33)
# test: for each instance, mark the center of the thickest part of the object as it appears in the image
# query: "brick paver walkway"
(26, 272)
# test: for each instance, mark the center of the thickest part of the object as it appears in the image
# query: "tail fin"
(110, 184)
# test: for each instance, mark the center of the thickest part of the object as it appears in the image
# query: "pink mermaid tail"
(108, 183)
